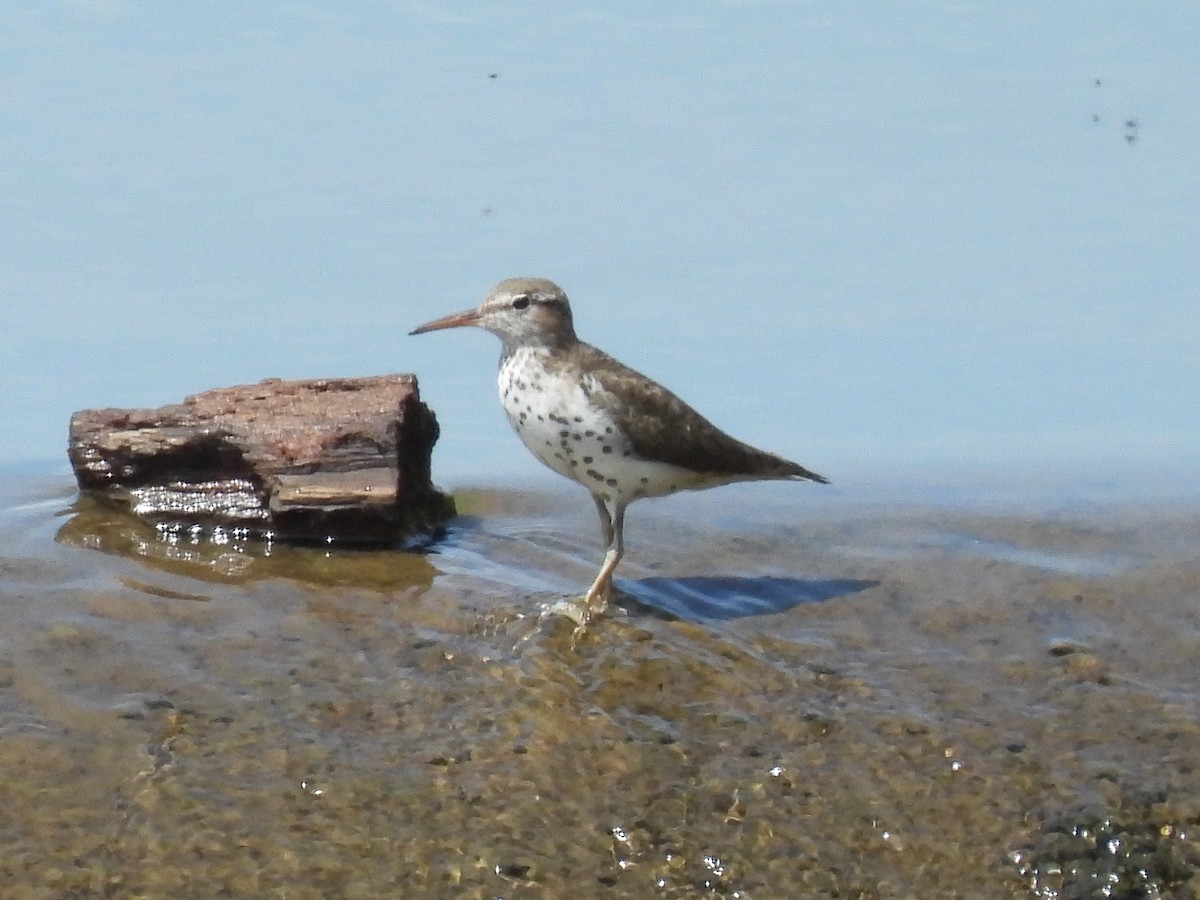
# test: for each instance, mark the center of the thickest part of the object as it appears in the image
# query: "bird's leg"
(606, 525)
(596, 598)
(612, 523)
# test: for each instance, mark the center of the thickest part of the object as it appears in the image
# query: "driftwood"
(342, 459)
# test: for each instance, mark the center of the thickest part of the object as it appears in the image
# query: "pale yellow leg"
(596, 599)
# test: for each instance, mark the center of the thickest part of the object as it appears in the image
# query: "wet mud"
(874, 701)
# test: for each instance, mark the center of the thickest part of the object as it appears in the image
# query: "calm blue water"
(945, 234)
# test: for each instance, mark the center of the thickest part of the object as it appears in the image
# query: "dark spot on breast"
(589, 433)
(645, 480)
(627, 453)
(611, 482)
(606, 449)
(579, 418)
(564, 433)
(592, 473)
(587, 459)
(608, 429)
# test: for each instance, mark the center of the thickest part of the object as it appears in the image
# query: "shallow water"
(806, 696)
(932, 236)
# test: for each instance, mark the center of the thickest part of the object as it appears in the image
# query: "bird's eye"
(520, 302)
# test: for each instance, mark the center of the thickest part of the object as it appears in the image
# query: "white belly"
(562, 428)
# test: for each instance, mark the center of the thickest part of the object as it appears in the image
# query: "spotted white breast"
(555, 419)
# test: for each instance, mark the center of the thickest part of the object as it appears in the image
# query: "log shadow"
(724, 597)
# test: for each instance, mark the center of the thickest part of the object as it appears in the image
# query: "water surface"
(943, 254)
(857, 236)
(883, 701)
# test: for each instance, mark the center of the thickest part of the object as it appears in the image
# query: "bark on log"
(345, 459)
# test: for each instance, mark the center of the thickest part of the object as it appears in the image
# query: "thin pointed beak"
(456, 320)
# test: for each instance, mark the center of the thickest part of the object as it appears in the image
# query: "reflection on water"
(230, 556)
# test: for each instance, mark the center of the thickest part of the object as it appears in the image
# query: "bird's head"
(519, 311)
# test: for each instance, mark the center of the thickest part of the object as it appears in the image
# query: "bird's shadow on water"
(718, 598)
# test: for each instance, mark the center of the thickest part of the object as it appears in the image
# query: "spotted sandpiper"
(597, 421)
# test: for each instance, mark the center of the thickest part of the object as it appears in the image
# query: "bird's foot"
(573, 608)
(580, 610)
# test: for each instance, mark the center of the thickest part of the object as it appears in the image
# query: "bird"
(599, 422)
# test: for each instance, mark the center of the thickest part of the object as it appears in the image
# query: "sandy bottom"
(854, 701)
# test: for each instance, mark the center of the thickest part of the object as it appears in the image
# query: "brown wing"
(663, 428)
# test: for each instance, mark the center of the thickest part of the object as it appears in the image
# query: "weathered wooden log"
(335, 459)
